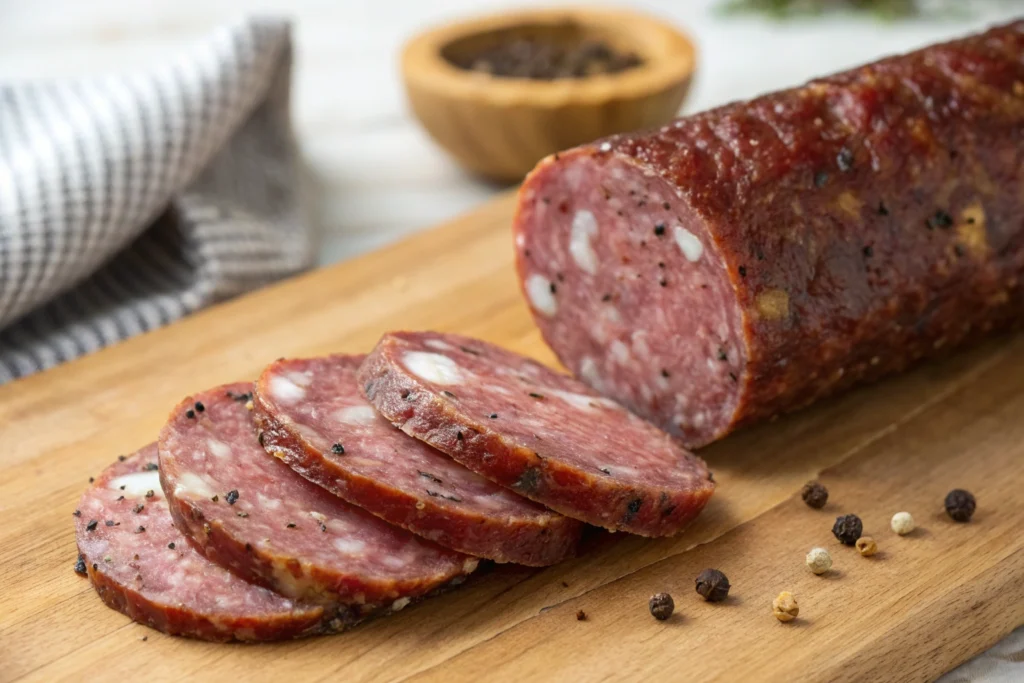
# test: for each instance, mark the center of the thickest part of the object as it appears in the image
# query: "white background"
(376, 175)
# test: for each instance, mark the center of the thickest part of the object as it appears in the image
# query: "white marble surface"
(376, 175)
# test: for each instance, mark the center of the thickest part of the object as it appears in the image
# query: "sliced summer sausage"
(250, 512)
(542, 434)
(141, 565)
(311, 414)
(749, 260)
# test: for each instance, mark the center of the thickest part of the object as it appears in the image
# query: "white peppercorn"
(819, 561)
(902, 523)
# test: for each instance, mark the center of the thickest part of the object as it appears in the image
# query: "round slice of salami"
(312, 415)
(545, 435)
(141, 565)
(250, 512)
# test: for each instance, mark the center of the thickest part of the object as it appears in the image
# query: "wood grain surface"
(925, 603)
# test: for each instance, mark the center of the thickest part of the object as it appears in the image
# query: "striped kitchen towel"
(129, 201)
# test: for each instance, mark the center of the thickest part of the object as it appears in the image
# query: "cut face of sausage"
(632, 284)
(250, 512)
(141, 565)
(752, 259)
(312, 416)
(543, 434)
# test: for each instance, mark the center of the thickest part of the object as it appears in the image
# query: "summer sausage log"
(141, 565)
(250, 512)
(752, 259)
(543, 434)
(311, 414)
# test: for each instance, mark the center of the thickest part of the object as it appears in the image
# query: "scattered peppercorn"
(494, 416)
(290, 525)
(91, 526)
(338, 449)
(80, 566)
(882, 209)
(150, 493)
(231, 496)
(190, 414)
(848, 529)
(902, 523)
(200, 407)
(868, 251)
(77, 513)
(553, 288)
(92, 479)
(659, 229)
(581, 615)
(712, 585)
(784, 607)
(661, 606)
(109, 522)
(138, 508)
(960, 505)
(819, 561)
(140, 530)
(534, 394)
(814, 494)
(820, 179)
(866, 546)
(243, 515)
(215, 498)
(171, 545)
(743, 271)
(844, 160)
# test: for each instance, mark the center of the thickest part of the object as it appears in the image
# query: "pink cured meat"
(142, 566)
(251, 513)
(311, 415)
(545, 435)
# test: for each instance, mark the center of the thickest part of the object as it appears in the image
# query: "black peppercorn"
(814, 494)
(960, 505)
(848, 528)
(662, 606)
(338, 449)
(80, 566)
(713, 585)
(231, 497)
(581, 615)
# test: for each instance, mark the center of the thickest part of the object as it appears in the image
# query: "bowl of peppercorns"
(499, 93)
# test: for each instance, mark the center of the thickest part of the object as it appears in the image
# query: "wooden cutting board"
(924, 604)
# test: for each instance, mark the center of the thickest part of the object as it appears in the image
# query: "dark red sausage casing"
(754, 258)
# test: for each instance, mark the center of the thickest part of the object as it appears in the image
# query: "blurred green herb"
(784, 9)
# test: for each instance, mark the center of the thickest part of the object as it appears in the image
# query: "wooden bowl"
(500, 126)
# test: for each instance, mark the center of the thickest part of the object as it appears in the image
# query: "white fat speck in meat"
(303, 379)
(439, 345)
(356, 415)
(689, 244)
(394, 562)
(433, 367)
(190, 484)
(400, 604)
(640, 347)
(588, 371)
(605, 147)
(285, 390)
(138, 484)
(268, 503)
(662, 382)
(350, 546)
(645, 393)
(218, 448)
(612, 314)
(580, 400)
(318, 516)
(584, 227)
(619, 351)
(538, 290)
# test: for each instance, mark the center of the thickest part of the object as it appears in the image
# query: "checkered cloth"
(129, 201)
